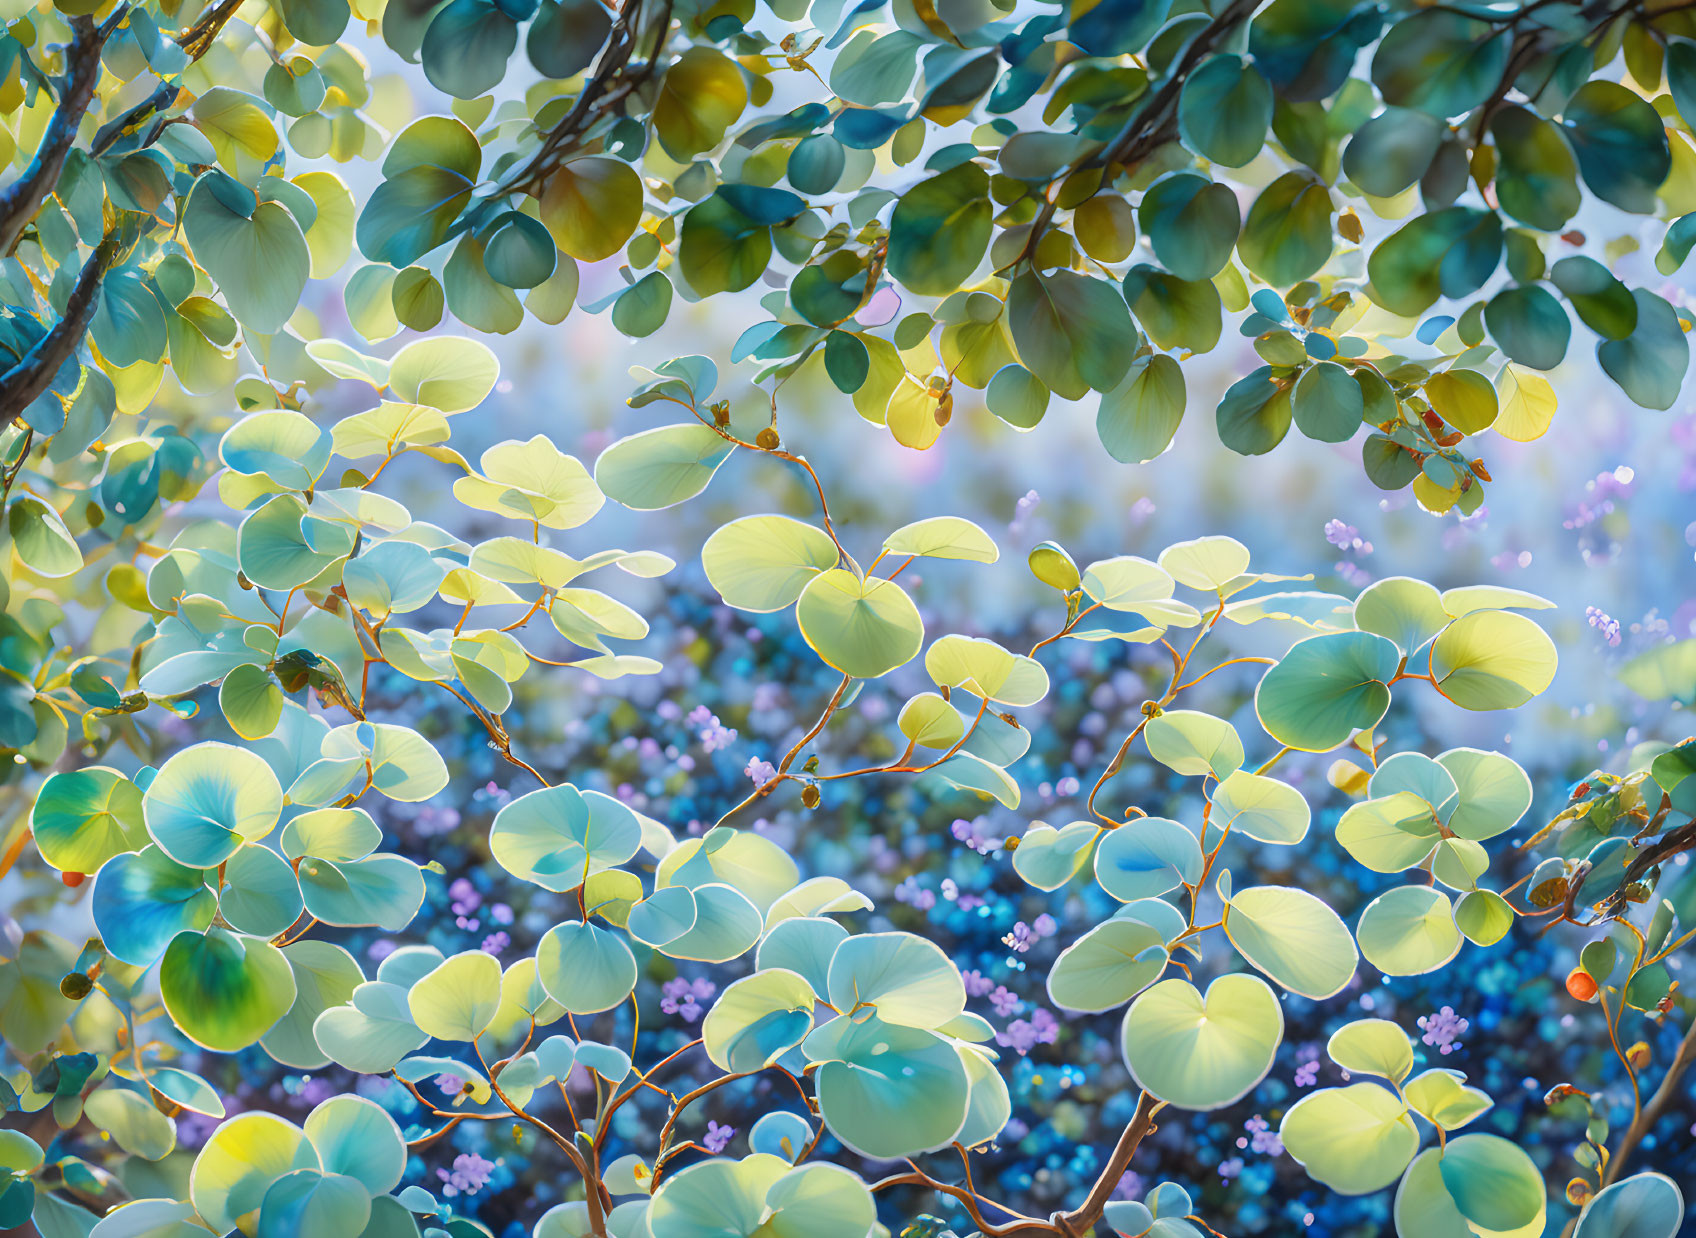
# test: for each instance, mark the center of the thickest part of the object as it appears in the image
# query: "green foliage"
(1387, 240)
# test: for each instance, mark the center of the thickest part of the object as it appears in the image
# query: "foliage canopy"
(1405, 208)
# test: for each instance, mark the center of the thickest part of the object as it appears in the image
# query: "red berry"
(1581, 985)
(73, 879)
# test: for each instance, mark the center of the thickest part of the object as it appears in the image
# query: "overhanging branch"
(20, 200)
(26, 380)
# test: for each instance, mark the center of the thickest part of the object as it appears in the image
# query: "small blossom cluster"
(1443, 1030)
(470, 1174)
(685, 997)
(1604, 623)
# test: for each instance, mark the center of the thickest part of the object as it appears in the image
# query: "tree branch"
(1081, 1219)
(20, 385)
(599, 94)
(22, 199)
(1651, 1113)
(197, 40)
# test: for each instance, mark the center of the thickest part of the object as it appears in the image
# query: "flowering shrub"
(439, 866)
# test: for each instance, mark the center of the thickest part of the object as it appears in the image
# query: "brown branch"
(1651, 1112)
(32, 375)
(197, 40)
(1151, 126)
(600, 94)
(1079, 1220)
(22, 199)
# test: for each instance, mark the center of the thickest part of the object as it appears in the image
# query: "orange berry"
(73, 879)
(1581, 985)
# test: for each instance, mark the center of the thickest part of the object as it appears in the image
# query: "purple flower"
(1443, 1030)
(681, 996)
(1005, 1001)
(1261, 1137)
(1022, 1035)
(762, 772)
(977, 984)
(717, 1137)
(495, 942)
(1604, 623)
(914, 894)
(1346, 537)
(715, 735)
(470, 1174)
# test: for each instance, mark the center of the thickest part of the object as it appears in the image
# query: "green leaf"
(1073, 332)
(207, 800)
(458, 998)
(585, 968)
(466, 47)
(1192, 224)
(1048, 858)
(240, 1161)
(1224, 110)
(1293, 937)
(762, 563)
(1255, 413)
(1262, 808)
(260, 894)
(700, 97)
(1537, 177)
(1645, 1205)
(1492, 660)
(1393, 150)
(1529, 325)
(1145, 858)
(1138, 419)
(1200, 1052)
(258, 255)
(142, 900)
(1450, 252)
(325, 976)
(1288, 233)
(1604, 304)
(1440, 61)
(1649, 364)
(1327, 403)
(1493, 1183)
(863, 628)
(224, 991)
(559, 836)
(940, 230)
(1326, 688)
(758, 1019)
(1621, 144)
(1194, 743)
(1176, 313)
(1372, 1047)
(1355, 1140)
(662, 467)
(40, 538)
(943, 537)
(887, 1090)
(907, 978)
(82, 818)
(1107, 966)
(1442, 1098)
(1409, 931)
